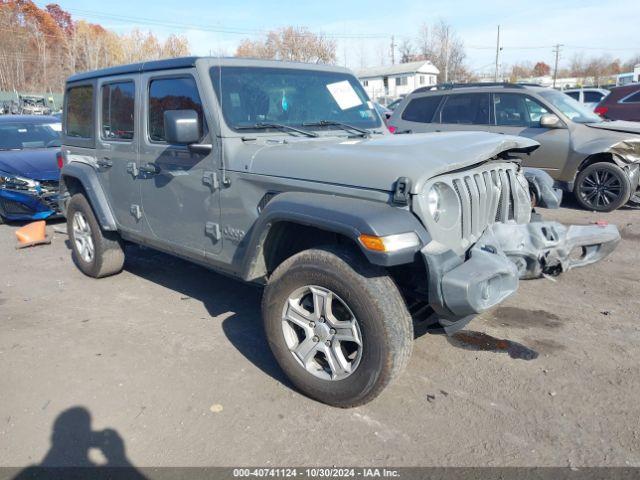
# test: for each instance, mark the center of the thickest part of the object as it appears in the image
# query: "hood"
(36, 164)
(617, 126)
(377, 162)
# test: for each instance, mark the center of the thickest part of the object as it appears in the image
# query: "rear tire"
(602, 187)
(95, 252)
(362, 297)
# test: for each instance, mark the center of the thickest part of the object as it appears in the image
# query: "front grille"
(11, 207)
(486, 197)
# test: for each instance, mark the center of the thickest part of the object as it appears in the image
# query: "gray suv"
(596, 159)
(283, 174)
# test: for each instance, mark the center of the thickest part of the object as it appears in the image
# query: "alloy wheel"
(600, 188)
(322, 333)
(82, 237)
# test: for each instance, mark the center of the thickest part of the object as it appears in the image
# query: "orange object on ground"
(32, 234)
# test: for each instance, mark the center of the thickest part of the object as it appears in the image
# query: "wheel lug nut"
(321, 320)
(312, 324)
(332, 331)
(315, 338)
(327, 343)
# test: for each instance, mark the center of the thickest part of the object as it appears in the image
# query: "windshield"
(576, 111)
(19, 136)
(292, 97)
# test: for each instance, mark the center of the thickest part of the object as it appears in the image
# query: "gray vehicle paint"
(212, 208)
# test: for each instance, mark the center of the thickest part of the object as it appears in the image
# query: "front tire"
(602, 187)
(337, 325)
(95, 252)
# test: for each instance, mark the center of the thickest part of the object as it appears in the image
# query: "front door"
(519, 114)
(117, 148)
(179, 195)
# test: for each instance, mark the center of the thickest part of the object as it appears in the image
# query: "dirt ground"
(172, 360)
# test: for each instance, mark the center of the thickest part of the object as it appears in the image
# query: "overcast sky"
(363, 29)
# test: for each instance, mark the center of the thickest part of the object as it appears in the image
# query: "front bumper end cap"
(483, 281)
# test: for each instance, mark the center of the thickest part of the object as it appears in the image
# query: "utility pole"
(556, 50)
(393, 50)
(495, 77)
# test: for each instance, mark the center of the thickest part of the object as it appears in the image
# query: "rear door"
(519, 114)
(180, 199)
(464, 111)
(117, 147)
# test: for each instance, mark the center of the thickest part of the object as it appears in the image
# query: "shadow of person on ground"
(68, 457)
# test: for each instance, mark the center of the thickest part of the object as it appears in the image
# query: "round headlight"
(442, 204)
(434, 202)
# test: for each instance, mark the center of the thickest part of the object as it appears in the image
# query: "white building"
(636, 73)
(395, 80)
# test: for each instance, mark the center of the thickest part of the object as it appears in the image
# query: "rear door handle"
(105, 162)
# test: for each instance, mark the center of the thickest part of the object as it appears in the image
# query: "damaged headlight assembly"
(14, 182)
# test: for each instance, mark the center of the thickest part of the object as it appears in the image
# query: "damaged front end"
(27, 199)
(550, 248)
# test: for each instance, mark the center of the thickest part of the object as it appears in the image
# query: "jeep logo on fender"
(233, 234)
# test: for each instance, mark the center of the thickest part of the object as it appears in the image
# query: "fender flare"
(86, 175)
(346, 216)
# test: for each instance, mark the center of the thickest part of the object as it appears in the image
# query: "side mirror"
(181, 127)
(549, 120)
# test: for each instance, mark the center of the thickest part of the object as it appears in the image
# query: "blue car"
(29, 172)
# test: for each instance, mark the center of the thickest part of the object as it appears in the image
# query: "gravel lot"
(171, 357)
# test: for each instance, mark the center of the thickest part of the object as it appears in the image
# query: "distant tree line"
(586, 69)
(41, 47)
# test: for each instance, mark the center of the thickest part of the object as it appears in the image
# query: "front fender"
(86, 175)
(346, 216)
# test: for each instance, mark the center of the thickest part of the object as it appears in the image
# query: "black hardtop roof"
(171, 63)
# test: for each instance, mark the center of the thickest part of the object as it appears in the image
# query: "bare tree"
(291, 44)
(407, 53)
(440, 44)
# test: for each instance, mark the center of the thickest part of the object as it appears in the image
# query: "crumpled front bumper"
(460, 288)
(16, 205)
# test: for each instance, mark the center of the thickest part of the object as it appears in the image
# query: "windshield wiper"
(331, 123)
(279, 126)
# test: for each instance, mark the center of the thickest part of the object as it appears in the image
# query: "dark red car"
(623, 103)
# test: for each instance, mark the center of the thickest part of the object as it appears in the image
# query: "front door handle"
(105, 162)
(150, 168)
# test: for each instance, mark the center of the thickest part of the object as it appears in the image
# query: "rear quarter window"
(633, 98)
(79, 113)
(421, 109)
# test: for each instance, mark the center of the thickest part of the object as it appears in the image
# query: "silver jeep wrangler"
(283, 174)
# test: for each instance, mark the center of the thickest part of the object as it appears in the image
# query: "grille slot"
(485, 197)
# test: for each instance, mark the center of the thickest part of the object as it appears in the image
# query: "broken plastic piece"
(32, 234)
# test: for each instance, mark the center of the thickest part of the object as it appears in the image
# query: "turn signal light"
(390, 243)
(372, 243)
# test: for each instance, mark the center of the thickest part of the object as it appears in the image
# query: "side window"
(466, 108)
(592, 97)
(535, 111)
(171, 94)
(79, 115)
(421, 109)
(635, 98)
(574, 95)
(118, 111)
(402, 81)
(511, 110)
